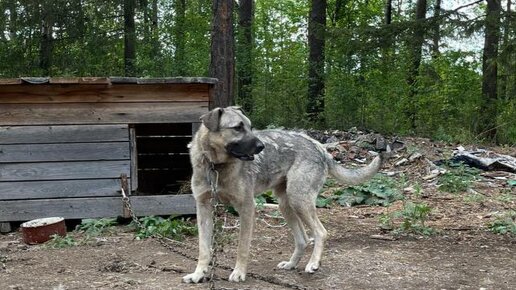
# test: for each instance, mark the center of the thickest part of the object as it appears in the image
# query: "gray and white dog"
(249, 162)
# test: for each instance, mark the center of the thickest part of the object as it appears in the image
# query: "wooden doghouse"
(65, 142)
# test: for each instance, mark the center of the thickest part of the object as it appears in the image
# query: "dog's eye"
(239, 128)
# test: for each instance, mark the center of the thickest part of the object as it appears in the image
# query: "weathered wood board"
(68, 208)
(59, 188)
(62, 134)
(64, 152)
(101, 113)
(63, 170)
(46, 93)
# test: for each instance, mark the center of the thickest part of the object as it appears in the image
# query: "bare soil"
(463, 254)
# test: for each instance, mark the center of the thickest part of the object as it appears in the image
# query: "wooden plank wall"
(50, 104)
(41, 164)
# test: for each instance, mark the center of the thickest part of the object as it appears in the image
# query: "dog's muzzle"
(245, 149)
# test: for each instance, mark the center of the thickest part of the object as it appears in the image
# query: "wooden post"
(125, 186)
(5, 227)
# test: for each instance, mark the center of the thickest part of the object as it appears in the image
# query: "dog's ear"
(212, 119)
(238, 108)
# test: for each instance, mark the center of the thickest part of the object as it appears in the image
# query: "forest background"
(437, 68)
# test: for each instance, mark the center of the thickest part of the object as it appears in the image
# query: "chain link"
(216, 238)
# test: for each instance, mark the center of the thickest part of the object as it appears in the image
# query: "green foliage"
(366, 62)
(324, 202)
(474, 197)
(410, 220)
(96, 227)
(458, 178)
(173, 228)
(505, 224)
(59, 242)
(381, 190)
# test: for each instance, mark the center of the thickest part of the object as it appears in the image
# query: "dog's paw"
(195, 277)
(237, 276)
(311, 267)
(286, 265)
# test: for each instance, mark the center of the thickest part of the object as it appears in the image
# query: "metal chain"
(217, 232)
(166, 242)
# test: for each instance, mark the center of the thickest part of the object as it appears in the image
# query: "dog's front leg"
(205, 228)
(246, 211)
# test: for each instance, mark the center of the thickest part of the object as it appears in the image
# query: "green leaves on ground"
(173, 228)
(59, 242)
(381, 190)
(409, 220)
(96, 227)
(458, 178)
(505, 224)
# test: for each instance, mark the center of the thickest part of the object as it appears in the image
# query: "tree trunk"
(416, 47)
(179, 35)
(488, 112)
(245, 47)
(222, 64)
(436, 37)
(386, 42)
(507, 58)
(13, 19)
(47, 40)
(129, 38)
(156, 51)
(316, 41)
(388, 12)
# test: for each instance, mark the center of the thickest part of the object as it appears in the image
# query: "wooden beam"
(22, 210)
(62, 134)
(123, 93)
(64, 152)
(59, 189)
(63, 170)
(163, 204)
(100, 113)
(134, 159)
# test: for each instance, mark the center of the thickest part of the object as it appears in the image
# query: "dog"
(250, 162)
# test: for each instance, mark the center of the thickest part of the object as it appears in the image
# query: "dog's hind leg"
(301, 193)
(295, 224)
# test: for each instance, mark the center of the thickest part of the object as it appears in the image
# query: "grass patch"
(173, 228)
(505, 224)
(409, 220)
(458, 178)
(96, 227)
(473, 198)
(59, 242)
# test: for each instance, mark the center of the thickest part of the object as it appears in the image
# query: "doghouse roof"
(106, 80)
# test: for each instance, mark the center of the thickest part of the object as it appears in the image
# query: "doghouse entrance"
(163, 162)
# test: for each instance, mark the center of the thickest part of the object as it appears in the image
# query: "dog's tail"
(355, 176)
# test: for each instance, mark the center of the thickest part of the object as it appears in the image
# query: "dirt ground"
(463, 254)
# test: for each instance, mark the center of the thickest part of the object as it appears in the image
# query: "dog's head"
(229, 131)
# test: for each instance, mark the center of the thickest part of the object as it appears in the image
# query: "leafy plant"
(458, 179)
(505, 224)
(381, 190)
(506, 197)
(411, 219)
(96, 227)
(59, 242)
(474, 197)
(266, 197)
(325, 202)
(173, 228)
